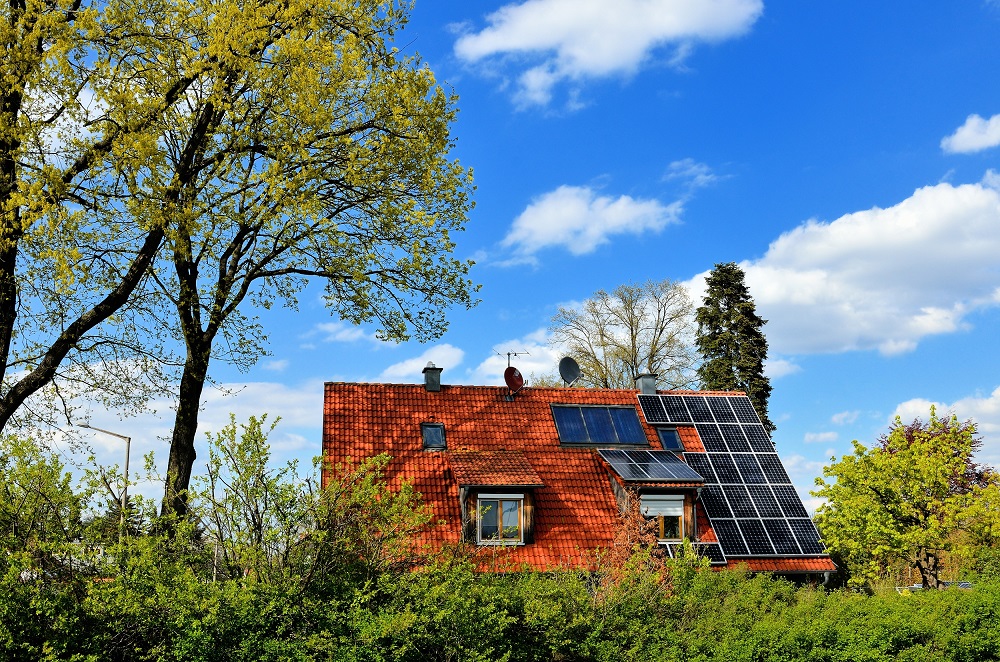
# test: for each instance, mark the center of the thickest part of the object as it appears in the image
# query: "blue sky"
(846, 154)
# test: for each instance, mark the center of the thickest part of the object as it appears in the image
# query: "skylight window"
(669, 439)
(433, 435)
(579, 424)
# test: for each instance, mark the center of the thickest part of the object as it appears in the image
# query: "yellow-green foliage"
(905, 500)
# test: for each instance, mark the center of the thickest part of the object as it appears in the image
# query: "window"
(500, 519)
(598, 425)
(669, 439)
(433, 435)
(668, 510)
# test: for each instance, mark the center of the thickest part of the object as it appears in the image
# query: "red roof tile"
(480, 468)
(496, 441)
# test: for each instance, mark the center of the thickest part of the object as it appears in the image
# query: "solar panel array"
(710, 550)
(748, 496)
(649, 466)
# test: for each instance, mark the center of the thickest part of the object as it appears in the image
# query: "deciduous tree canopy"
(906, 499)
(635, 329)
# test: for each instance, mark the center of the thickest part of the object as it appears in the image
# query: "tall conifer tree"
(731, 341)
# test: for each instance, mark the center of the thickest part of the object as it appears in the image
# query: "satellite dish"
(512, 377)
(569, 370)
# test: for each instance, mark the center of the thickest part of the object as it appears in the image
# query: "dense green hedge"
(163, 611)
(267, 567)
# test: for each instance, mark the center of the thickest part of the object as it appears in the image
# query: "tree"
(636, 329)
(904, 499)
(730, 340)
(311, 150)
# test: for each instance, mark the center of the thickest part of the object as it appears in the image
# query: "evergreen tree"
(730, 339)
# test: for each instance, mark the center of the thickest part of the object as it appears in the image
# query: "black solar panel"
(698, 408)
(652, 409)
(730, 537)
(781, 536)
(676, 411)
(640, 465)
(773, 469)
(807, 536)
(750, 470)
(756, 537)
(709, 550)
(789, 501)
(715, 502)
(711, 437)
(719, 407)
(764, 499)
(725, 468)
(745, 412)
(734, 439)
(759, 441)
(739, 501)
(748, 496)
(699, 462)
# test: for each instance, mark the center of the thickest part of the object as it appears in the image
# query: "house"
(547, 472)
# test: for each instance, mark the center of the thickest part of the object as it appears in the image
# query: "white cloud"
(845, 417)
(881, 278)
(540, 359)
(695, 175)
(819, 437)
(337, 332)
(975, 135)
(444, 356)
(984, 410)
(577, 219)
(558, 41)
(777, 368)
(277, 365)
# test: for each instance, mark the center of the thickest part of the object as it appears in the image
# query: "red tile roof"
(493, 440)
(481, 468)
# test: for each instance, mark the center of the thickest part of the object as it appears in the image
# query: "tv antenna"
(523, 352)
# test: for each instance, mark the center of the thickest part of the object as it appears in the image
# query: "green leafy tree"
(617, 336)
(312, 150)
(71, 133)
(732, 345)
(905, 499)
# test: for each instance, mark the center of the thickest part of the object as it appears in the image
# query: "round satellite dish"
(569, 370)
(512, 377)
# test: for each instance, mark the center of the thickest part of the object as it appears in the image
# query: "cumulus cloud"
(776, 368)
(845, 417)
(540, 359)
(881, 278)
(984, 410)
(443, 356)
(975, 135)
(579, 220)
(556, 41)
(819, 437)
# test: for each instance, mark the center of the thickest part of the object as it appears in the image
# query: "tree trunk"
(182, 451)
(928, 565)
